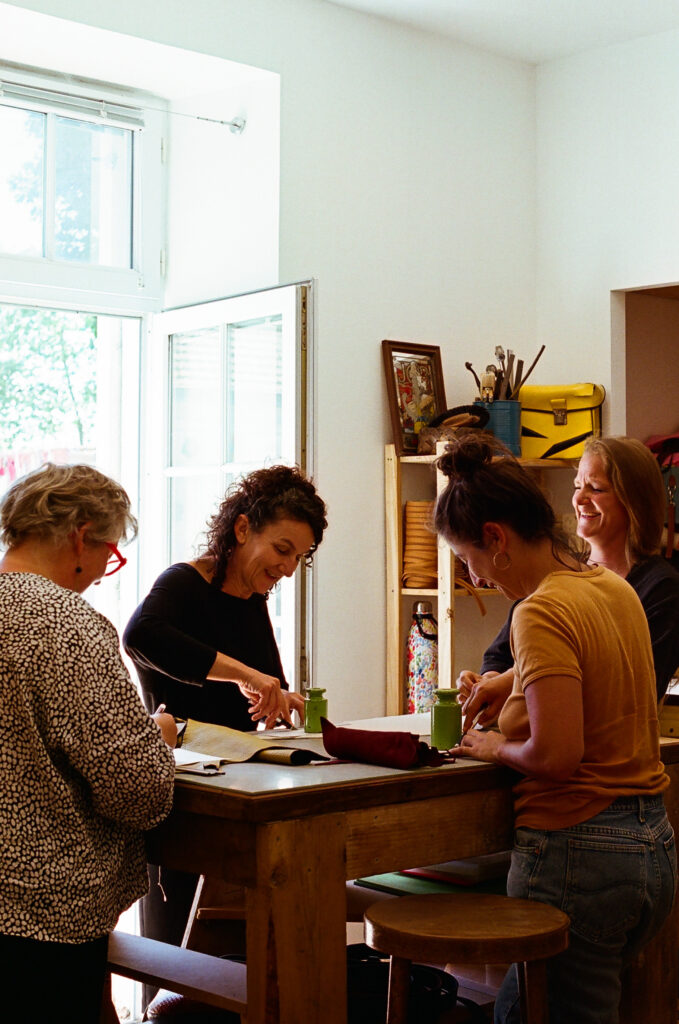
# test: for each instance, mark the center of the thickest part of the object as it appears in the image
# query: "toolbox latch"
(560, 412)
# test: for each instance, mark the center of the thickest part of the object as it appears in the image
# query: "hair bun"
(465, 455)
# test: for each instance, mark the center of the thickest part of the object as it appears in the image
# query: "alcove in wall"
(645, 363)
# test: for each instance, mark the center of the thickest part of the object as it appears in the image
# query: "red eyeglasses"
(116, 561)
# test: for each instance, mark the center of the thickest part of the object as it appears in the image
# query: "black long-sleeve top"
(656, 583)
(173, 639)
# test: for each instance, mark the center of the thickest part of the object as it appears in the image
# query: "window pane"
(48, 388)
(195, 406)
(236, 405)
(93, 201)
(67, 393)
(282, 613)
(21, 181)
(232, 390)
(193, 499)
(255, 387)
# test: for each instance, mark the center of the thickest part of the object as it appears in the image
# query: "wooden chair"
(468, 929)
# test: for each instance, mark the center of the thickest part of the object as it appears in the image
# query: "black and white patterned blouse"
(83, 769)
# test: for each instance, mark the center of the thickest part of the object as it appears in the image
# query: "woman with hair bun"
(580, 727)
(619, 501)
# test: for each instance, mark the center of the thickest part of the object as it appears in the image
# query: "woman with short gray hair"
(84, 770)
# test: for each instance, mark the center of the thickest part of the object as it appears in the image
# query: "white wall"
(407, 190)
(223, 191)
(409, 180)
(222, 199)
(608, 205)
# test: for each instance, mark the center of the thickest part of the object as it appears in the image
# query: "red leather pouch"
(387, 749)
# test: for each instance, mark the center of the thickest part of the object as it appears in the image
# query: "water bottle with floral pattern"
(422, 659)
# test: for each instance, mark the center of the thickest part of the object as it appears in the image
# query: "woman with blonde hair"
(631, 471)
(619, 501)
(83, 768)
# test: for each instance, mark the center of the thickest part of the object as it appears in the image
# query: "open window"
(232, 382)
(71, 175)
(114, 200)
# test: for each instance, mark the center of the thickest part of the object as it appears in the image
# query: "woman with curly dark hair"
(202, 641)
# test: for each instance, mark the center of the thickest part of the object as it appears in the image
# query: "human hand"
(167, 726)
(486, 697)
(266, 697)
(466, 681)
(292, 702)
(295, 702)
(480, 744)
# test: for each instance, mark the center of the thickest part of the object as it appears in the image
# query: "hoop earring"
(502, 568)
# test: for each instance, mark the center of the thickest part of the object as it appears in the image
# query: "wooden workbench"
(292, 836)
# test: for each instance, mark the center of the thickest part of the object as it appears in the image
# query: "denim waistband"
(637, 802)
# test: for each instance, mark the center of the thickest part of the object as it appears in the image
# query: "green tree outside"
(48, 390)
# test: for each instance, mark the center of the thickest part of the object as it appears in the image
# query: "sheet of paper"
(183, 757)
(418, 724)
(231, 745)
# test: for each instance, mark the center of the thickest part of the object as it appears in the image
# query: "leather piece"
(386, 749)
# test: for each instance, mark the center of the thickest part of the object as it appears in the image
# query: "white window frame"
(154, 433)
(43, 281)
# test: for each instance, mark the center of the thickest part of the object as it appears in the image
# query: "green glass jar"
(315, 708)
(446, 720)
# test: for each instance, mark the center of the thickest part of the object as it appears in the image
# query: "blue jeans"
(615, 876)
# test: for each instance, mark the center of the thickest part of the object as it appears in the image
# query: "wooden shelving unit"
(414, 476)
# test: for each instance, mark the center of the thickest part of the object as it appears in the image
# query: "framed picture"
(414, 388)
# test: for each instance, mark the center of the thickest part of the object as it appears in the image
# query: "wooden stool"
(468, 929)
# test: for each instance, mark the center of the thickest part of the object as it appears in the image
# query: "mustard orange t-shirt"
(589, 626)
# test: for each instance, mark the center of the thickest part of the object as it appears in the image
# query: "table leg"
(296, 924)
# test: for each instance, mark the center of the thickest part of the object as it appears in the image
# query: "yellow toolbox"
(556, 420)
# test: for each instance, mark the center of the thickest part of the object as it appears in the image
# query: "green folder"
(398, 884)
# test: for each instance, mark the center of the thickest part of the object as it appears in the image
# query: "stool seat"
(474, 928)
(468, 929)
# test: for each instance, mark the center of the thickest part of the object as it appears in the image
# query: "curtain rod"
(16, 90)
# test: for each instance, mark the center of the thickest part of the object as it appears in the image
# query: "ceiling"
(533, 31)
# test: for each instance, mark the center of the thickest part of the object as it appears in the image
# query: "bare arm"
(264, 692)
(165, 635)
(556, 743)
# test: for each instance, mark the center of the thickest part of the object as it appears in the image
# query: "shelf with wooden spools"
(423, 482)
